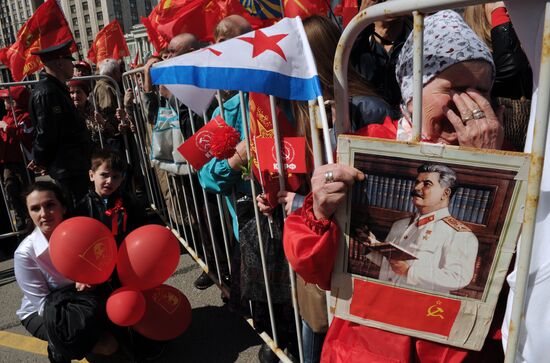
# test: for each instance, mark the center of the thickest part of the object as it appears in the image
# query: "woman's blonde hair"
(475, 17)
(323, 36)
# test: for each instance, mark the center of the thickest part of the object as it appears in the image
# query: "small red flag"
(293, 150)
(196, 149)
(423, 312)
(109, 43)
(45, 28)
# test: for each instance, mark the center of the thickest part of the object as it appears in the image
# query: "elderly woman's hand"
(477, 125)
(330, 184)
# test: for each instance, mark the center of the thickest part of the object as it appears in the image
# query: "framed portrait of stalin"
(428, 237)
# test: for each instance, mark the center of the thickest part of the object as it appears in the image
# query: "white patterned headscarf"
(448, 40)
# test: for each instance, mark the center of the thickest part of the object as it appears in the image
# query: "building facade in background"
(85, 17)
(13, 14)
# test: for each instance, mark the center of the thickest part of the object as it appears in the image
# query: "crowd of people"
(76, 131)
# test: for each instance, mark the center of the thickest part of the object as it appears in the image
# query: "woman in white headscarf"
(457, 81)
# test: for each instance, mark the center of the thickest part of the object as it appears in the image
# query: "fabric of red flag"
(347, 9)
(196, 149)
(135, 63)
(109, 43)
(293, 150)
(305, 8)
(158, 40)
(45, 28)
(199, 17)
(261, 126)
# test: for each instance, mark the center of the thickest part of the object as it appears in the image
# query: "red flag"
(293, 150)
(305, 8)
(109, 43)
(196, 149)
(135, 63)
(45, 28)
(261, 126)
(198, 17)
(158, 40)
(383, 303)
(347, 9)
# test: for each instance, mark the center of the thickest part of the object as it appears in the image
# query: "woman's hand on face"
(329, 192)
(286, 198)
(263, 205)
(482, 132)
(80, 286)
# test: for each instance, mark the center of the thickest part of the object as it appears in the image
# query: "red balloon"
(147, 257)
(82, 249)
(167, 313)
(126, 306)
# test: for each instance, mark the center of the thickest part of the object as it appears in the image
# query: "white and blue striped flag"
(276, 61)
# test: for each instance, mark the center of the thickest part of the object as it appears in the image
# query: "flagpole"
(280, 164)
(281, 2)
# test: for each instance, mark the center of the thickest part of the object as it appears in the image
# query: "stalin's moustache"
(415, 193)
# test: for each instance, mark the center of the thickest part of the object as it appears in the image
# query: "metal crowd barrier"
(418, 9)
(180, 202)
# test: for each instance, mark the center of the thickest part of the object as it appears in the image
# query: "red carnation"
(224, 141)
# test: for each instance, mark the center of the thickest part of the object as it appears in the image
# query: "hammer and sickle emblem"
(436, 310)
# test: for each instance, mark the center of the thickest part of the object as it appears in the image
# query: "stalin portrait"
(430, 250)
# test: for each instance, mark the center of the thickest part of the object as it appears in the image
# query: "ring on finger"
(329, 176)
(478, 114)
(467, 118)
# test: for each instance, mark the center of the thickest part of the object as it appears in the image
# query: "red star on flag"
(262, 42)
(217, 53)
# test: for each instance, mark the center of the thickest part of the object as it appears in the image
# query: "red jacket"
(17, 131)
(310, 247)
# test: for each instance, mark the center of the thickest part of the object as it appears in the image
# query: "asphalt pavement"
(215, 335)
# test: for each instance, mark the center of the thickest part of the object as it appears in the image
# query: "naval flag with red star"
(276, 61)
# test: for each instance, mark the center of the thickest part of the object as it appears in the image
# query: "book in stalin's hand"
(390, 250)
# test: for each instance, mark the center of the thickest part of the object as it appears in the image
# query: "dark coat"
(92, 205)
(514, 77)
(62, 143)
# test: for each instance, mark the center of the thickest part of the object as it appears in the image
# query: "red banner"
(199, 17)
(293, 150)
(109, 43)
(305, 8)
(404, 308)
(196, 149)
(45, 28)
(261, 126)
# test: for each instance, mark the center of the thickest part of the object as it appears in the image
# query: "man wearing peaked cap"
(62, 145)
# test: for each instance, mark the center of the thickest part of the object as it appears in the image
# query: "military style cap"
(57, 51)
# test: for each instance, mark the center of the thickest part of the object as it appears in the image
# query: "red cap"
(83, 64)
(84, 85)
(20, 95)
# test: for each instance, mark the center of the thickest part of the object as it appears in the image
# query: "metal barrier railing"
(418, 8)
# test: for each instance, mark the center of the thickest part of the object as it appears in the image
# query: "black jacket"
(92, 205)
(514, 77)
(62, 143)
(370, 60)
